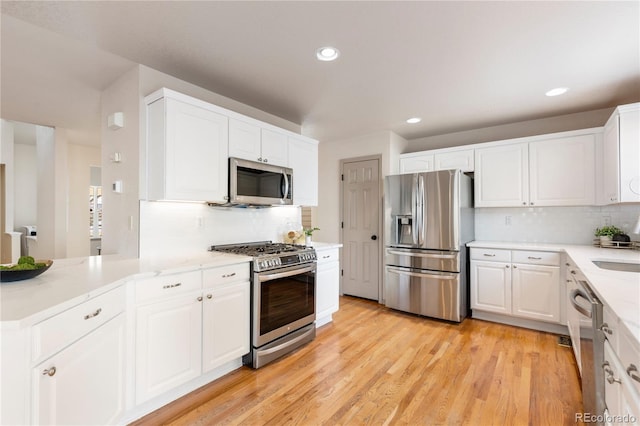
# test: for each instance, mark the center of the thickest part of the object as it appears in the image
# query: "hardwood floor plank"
(373, 365)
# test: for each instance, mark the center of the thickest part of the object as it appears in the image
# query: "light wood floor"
(373, 365)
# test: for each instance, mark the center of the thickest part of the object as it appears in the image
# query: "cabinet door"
(610, 162)
(422, 163)
(630, 154)
(491, 287)
(562, 171)
(303, 159)
(225, 330)
(536, 292)
(327, 290)
(196, 153)
(502, 176)
(275, 148)
(168, 344)
(84, 383)
(462, 160)
(244, 140)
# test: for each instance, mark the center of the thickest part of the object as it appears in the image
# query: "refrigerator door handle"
(440, 276)
(414, 209)
(421, 208)
(425, 255)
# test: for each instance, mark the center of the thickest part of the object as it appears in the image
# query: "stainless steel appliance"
(428, 221)
(255, 183)
(591, 341)
(283, 288)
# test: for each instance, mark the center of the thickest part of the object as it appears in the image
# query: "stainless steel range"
(283, 287)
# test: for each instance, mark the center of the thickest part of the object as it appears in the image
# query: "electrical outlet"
(507, 220)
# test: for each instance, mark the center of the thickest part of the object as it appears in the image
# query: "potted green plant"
(308, 232)
(606, 234)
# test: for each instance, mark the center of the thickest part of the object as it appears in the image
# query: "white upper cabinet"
(251, 142)
(186, 151)
(502, 176)
(550, 172)
(621, 156)
(416, 163)
(441, 159)
(303, 159)
(458, 159)
(562, 171)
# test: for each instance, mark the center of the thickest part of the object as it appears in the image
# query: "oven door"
(284, 301)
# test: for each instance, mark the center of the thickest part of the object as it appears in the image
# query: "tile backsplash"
(569, 225)
(180, 229)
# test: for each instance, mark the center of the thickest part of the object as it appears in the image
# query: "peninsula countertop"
(71, 281)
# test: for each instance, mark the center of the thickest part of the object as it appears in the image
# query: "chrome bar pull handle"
(233, 274)
(93, 314)
(632, 371)
(534, 258)
(171, 285)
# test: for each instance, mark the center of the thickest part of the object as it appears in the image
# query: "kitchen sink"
(617, 266)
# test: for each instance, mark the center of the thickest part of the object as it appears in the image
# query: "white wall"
(81, 158)
(568, 225)
(327, 214)
(6, 157)
(26, 186)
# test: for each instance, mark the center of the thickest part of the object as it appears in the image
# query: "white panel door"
(630, 155)
(168, 344)
(327, 289)
(196, 153)
(275, 148)
(491, 287)
(361, 214)
(536, 292)
(502, 176)
(562, 171)
(84, 383)
(244, 140)
(225, 324)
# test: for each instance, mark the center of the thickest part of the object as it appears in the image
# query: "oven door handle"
(575, 293)
(297, 271)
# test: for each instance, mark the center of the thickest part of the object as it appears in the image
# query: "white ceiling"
(458, 65)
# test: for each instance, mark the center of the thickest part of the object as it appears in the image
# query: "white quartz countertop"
(71, 281)
(617, 289)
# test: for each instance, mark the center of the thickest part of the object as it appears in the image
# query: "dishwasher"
(590, 339)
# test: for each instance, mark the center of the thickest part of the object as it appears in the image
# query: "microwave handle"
(286, 185)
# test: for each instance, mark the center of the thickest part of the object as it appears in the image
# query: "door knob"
(374, 237)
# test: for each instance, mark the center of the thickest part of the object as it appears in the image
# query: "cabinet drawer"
(629, 353)
(226, 274)
(167, 285)
(495, 255)
(331, 255)
(56, 333)
(536, 257)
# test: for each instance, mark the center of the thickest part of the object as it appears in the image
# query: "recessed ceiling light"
(414, 120)
(327, 53)
(557, 91)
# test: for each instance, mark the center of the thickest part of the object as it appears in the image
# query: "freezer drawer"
(434, 260)
(429, 293)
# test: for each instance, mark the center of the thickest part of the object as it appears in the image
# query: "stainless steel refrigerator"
(428, 221)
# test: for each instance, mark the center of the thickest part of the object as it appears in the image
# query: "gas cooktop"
(268, 255)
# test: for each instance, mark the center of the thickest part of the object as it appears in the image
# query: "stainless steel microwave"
(255, 183)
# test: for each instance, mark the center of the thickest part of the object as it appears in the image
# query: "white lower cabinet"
(84, 383)
(517, 283)
(327, 285)
(225, 329)
(168, 344)
(187, 332)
